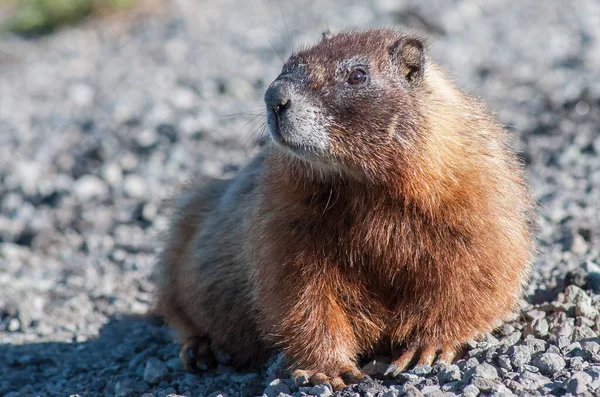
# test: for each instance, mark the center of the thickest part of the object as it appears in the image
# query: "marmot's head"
(351, 101)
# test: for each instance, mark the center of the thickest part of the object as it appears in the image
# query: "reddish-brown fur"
(421, 242)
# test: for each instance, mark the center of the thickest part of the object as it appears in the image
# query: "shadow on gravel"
(114, 361)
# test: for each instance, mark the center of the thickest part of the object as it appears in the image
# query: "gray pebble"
(504, 362)
(519, 355)
(391, 392)
(549, 363)
(538, 327)
(14, 325)
(583, 332)
(422, 369)
(277, 387)
(470, 390)
(485, 371)
(574, 295)
(410, 390)
(88, 187)
(449, 373)
(135, 186)
(155, 371)
(532, 380)
(578, 383)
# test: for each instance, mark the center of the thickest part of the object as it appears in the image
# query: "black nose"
(278, 98)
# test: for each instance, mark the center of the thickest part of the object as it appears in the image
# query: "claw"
(400, 364)
(196, 355)
(447, 355)
(354, 376)
(392, 371)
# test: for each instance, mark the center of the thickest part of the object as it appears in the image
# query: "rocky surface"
(100, 122)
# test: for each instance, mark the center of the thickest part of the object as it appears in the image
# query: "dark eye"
(357, 76)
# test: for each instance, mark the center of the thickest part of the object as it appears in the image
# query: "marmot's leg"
(196, 355)
(317, 338)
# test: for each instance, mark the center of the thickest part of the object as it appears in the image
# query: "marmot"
(387, 210)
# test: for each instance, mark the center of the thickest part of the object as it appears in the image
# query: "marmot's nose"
(278, 98)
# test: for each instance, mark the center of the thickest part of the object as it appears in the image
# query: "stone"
(449, 373)
(275, 388)
(134, 186)
(538, 327)
(321, 391)
(504, 362)
(485, 371)
(519, 355)
(549, 363)
(392, 392)
(422, 370)
(155, 371)
(583, 332)
(470, 391)
(575, 295)
(89, 187)
(585, 309)
(532, 380)
(577, 384)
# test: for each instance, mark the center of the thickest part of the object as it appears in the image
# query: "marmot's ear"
(326, 34)
(408, 54)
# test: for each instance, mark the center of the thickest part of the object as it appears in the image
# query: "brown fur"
(413, 232)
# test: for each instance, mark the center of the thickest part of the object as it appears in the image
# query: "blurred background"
(107, 105)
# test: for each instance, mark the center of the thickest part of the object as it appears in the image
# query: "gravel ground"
(99, 123)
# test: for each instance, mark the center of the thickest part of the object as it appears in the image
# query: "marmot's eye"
(357, 76)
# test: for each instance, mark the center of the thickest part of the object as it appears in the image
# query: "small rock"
(536, 345)
(578, 364)
(320, 391)
(484, 385)
(519, 355)
(585, 309)
(574, 295)
(504, 362)
(155, 371)
(392, 392)
(512, 339)
(375, 367)
(134, 186)
(470, 390)
(14, 325)
(113, 174)
(549, 363)
(147, 139)
(594, 372)
(577, 384)
(471, 363)
(535, 314)
(410, 390)
(538, 327)
(583, 332)
(485, 371)
(449, 373)
(81, 94)
(88, 187)
(422, 370)
(275, 388)
(532, 380)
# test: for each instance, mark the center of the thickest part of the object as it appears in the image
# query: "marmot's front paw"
(197, 356)
(426, 355)
(337, 382)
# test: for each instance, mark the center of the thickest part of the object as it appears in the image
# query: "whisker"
(290, 41)
(277, 52)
